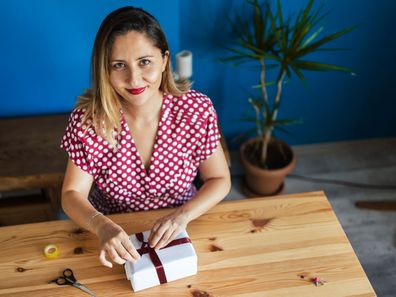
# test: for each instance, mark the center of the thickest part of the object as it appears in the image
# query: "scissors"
(69, 279)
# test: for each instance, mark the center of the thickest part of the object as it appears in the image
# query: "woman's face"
(136, 68)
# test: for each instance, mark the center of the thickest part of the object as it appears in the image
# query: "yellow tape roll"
(51, 251)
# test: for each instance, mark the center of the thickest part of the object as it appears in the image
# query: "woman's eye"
(145, 62)
(119, 66)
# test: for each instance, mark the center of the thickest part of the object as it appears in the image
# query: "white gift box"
(178, 261)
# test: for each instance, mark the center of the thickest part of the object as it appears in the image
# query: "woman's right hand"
(114, 243)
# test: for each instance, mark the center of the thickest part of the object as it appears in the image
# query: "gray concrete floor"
(372, 233)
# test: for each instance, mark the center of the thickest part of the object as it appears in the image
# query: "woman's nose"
(133, 77)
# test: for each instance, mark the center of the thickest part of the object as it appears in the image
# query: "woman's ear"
(165, 58)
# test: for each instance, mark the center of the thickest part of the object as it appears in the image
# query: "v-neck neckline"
(147, 171)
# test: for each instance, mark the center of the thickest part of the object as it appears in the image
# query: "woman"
(139, 139)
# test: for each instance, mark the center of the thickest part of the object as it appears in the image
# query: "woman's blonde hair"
(101, 103)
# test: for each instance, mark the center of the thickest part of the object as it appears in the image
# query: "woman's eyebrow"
(143, 57)
(137, 59)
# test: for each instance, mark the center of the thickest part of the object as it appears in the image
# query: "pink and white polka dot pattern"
(187, 135)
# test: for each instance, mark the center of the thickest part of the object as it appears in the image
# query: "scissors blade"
(84, 288)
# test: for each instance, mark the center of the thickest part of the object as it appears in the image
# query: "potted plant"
(268, 37)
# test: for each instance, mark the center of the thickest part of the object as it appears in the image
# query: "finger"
(175, 233)
(154, 230)
(124, 254)
(164, 239)
(133, 255)
(158, 235)
(103, 260)
(115, 256)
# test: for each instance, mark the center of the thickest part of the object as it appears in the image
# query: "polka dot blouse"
(187, 135)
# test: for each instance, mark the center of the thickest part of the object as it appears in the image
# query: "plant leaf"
(332, 49)
(254, 56)
(312, 37)
(316, 66)
(258, 24)
(282, 129)
(232, 58)
(301, 26)
(251, 47)
(314, 46)
(270, 83)
(243, 135)
(297, 71)
(287, 122)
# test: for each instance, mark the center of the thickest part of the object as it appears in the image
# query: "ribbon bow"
(146, 249)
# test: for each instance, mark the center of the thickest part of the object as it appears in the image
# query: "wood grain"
(257, 247)
(30, 156)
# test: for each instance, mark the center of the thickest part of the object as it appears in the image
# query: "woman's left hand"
(167, 228)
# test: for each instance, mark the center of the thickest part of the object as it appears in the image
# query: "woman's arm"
(217, 183)
(114, 242)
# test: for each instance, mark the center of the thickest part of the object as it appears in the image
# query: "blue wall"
(334, 106)
(46, 48)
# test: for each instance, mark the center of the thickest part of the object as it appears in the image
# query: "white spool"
(184, 64)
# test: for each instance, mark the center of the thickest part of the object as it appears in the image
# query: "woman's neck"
(146, 113)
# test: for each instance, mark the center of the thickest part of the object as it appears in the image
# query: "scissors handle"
(61, 281)
(68, 274)
(69, 279)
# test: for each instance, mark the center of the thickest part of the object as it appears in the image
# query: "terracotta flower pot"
(266, 182)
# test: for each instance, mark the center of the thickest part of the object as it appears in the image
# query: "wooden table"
(30, 156)
(252, 247)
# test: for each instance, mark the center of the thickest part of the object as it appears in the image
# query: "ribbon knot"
(146, 249)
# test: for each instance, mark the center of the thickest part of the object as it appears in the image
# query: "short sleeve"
(211, 135)
(72, 142)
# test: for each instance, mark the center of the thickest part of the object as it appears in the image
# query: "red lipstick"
(136, 91)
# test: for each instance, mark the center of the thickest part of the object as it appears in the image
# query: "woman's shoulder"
(197, 97)
(77, 114)
(192, 102)
(77, 121)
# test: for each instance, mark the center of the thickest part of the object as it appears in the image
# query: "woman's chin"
(137, 100)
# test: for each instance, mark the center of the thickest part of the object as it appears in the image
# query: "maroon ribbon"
(146, 249)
